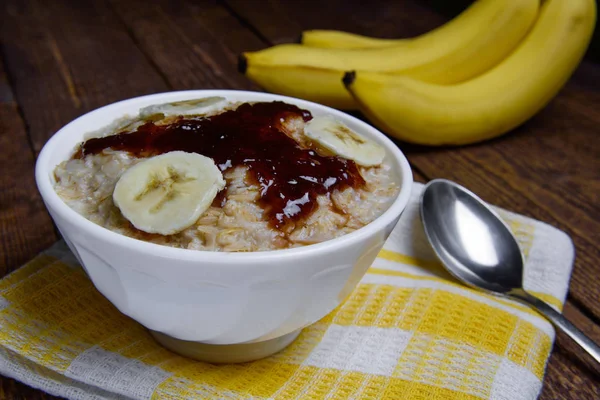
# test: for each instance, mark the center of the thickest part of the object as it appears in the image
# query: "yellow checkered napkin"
(407, 332)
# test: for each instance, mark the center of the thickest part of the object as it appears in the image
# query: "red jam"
(290, 177)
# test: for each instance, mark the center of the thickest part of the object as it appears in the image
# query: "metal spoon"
(478, 248)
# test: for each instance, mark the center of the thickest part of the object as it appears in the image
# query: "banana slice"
(341, 140)
(168, 193)
(185, 107)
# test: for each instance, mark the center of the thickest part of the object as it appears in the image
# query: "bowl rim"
(56, 204)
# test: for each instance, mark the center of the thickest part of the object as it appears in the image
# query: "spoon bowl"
(479, 249)
(475, 245)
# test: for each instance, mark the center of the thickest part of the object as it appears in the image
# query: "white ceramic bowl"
(212, 297)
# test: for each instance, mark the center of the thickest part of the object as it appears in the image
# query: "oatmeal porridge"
(218, 176)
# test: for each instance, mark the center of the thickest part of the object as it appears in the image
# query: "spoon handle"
(560, 321)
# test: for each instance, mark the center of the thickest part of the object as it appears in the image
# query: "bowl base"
(225, 353)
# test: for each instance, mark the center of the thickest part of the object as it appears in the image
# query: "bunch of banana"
(463, 48)
(492, 103)
(477, 77)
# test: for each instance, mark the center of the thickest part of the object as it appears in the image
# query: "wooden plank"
(570, 374)
(25, 226)
(65, 58)
(195, 45)
(11, 389)
(283, 21)
(68, 57)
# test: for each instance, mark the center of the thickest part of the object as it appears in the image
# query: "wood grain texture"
(11, 389)
(68, 57)
(194, 45)
(283, 21)
(570, 374)
(65, 58)
(25, 226)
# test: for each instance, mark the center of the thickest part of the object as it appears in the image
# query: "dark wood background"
(62, 58)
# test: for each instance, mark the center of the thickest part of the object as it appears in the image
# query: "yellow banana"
(320, 85)
(491, 104)
(346, 40)
(471, 17)
(490, 30)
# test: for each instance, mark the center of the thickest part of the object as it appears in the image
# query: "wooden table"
(61, 59)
